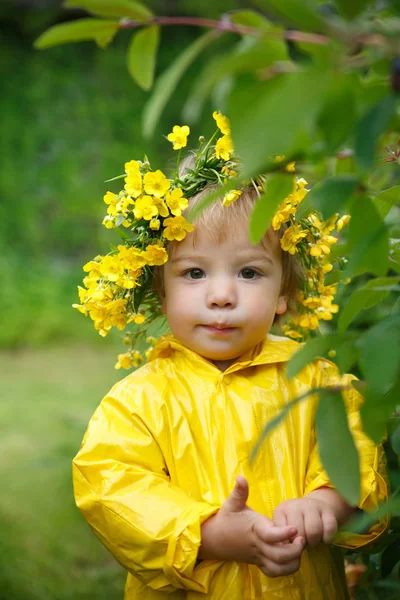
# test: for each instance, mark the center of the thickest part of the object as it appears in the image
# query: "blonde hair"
(220, 221)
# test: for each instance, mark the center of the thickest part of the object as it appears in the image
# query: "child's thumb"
(237, 499)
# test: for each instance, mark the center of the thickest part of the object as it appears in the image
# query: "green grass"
(47, 552)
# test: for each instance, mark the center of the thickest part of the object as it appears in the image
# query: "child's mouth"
(219, 329)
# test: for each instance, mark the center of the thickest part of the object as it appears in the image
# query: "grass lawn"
(47, 552)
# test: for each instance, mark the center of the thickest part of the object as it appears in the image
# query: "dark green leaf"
(142, 54)
(384, 201)
(269, 427)
(167, 82)
(337, 118)
(314, 348)
(279, 186)
(352, 8)
(99, 30)
(329, 195)
(250, 54)
(363, 522)
(379, 349)
(346, 356)
(272, 127)
(364, 298)
(377, 410)
(390, 557)
(336, 446)
(368, 240)
(304, 13)
(395, 440)
(370, 127)
(333, 277)
(112, 8)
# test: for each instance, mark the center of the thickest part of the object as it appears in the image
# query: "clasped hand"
(237, 533)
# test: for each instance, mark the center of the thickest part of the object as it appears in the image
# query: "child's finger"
(330, 527)
(270, 534)
(237, 499)
(283, 553)
(293, 518)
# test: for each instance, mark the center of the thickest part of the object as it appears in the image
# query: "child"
(163, 475)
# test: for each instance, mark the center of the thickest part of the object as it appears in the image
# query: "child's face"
(221, 298)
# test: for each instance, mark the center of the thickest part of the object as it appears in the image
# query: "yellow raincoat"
(162, 452)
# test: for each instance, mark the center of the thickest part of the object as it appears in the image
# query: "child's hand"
(237, 533)
(313, 518)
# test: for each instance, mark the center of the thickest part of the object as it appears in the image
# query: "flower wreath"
(118, 288)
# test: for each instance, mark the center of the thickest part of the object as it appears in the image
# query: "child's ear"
(281, 306)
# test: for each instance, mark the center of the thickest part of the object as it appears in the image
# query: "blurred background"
(69, 119)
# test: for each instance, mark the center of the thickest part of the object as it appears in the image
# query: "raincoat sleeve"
(122, 488)
(374, 489)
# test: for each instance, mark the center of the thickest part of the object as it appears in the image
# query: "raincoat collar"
(273, 349)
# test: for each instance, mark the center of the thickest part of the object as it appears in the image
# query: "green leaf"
(346, 356)
(351, 9)
(395, 440)
(249, 54)
(370, 127)
(377, 410)
(272, 127)
(364, 298)
(368, 240)
(271, 425)
(336, 447)
(379, 349)
(112, 8)
(142, 54)
(168, 81)
(279, 186)
(386, 199)
(337, 118)
(304, 13)
(364, 521)
(85, 29)
(314, 348)
(329, 195)
(250, 18)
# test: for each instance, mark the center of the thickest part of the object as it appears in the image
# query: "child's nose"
(221, 294)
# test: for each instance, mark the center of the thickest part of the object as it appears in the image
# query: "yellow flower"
(176, 202)
(139, 319)
(145, 208)
(161, 207)
(179, 136)
(308, 321)
(111, 268)
(131, 258)
(342, 222)
(231, 197)
(156, 183)
(133, 184)
(323, 246)
(132, 167)
(108, 222)
(292, 236)
(129, 280)
(224, 147)
(124, 361)
(223, 123)
(155, 224)
(176, 228)
(110, 198)
(128, 360)
(228, 172)
(155, 255)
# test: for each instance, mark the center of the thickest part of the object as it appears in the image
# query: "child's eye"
(248, 273)
(194, 274)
